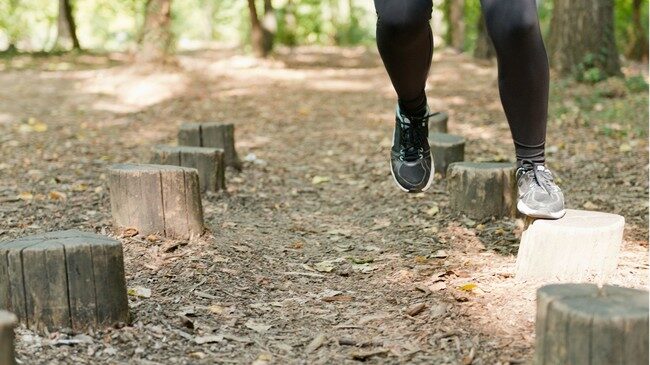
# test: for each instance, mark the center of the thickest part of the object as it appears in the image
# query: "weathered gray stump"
(207, 161)
(583, 324)
(156, 199)
(67, 279)
(215, 135)
(581, 246)
(8, 322)
(438, 122)
(482, 190)
(446, 149)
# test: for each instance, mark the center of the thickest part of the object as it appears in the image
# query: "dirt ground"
(312, 255)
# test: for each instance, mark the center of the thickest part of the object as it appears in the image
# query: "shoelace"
(411, 131)
(542, 177)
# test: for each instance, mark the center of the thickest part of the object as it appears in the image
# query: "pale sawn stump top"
(581, 219)
(482, 165)
(148, 168)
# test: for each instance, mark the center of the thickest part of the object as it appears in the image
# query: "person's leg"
(405, 44)
(513, 27)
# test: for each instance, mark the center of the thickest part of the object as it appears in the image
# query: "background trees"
(585, 38)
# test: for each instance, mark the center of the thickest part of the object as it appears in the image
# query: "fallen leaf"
(433, 210)
(129, 232)
(216, 309)
(590, 206)
(324, 266)
(320, 180)
(440, 254)
(437, 286)
(363, 268)
(200, 340)
(139, 291)
(316, 343)
(56, 195)
(338, 298)
(33, 125)
(26, 196)
(469, 287)
(257, 327)
(415, 309)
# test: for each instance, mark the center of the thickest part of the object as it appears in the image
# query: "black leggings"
(405, 44)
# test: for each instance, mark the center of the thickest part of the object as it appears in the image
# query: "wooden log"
(438, 122)
(584, 324)
(209, 162)
(156, 199)
(581, 246)
(68, 279)
(446, 149)
(8, 322)
(215, 135)
(482, 190)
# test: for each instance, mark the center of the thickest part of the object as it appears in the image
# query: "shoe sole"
(425, 188)
(525, 210)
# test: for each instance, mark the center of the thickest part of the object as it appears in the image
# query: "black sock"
(416, 107)
(532, 153)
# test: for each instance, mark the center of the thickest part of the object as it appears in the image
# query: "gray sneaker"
(539, 196)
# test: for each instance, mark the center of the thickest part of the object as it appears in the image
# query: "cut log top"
(146, 168)
(581, 219)
(66, 279)
(7, 320)
(444, 139)
(483, 166)
(588, 300)
(585, 324)
(190, 149)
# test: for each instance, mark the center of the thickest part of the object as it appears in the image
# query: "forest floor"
(312, 255)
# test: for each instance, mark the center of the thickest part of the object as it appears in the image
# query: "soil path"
(313, 256)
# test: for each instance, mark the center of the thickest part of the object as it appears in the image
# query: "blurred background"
(155, 29)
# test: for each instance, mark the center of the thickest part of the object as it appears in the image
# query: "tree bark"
(156, 36)
(454, 14)
(261, 37)
(484, 48)
(638, 47)
(582, 37)
(66, 27)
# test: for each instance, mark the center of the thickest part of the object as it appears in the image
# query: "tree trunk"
(638, 47)
(156, 36)
(66, 29)
(582, 38)
(261, 37)
(454, 14)
(484, 48)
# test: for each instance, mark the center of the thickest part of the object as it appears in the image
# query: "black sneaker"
(411, 162)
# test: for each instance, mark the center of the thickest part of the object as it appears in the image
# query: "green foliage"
(588, 70)
(636, 84)
(622, 21)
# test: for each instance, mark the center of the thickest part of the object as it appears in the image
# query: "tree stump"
(156, 199)
(207, 161)
(215, 135)
(446, 149)
(482, 190)
(8, 322)
(583, 324)
(438, 122)
(67, 279)
(583, 245)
